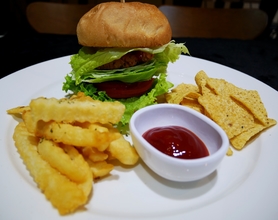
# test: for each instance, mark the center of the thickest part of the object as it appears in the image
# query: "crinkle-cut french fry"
(18, 110)
(100, 169)
(102, 128)
(72, 167)
(122, 150)
(63, 143)
(85, 186)
(73, 135)
(71, 110)
(94, 154)
(29, 121)
(64, 194)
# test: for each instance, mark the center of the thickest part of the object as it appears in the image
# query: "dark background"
(21, 46)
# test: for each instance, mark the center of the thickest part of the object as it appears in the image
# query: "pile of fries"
(67, 143)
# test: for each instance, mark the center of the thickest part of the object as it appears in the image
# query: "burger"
(126, 48)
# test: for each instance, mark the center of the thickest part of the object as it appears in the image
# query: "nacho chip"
(227, 114)
(221, 87)
(201, 80)
(252, 101)
(178, 93)
(192, 103)
(229, 152)
(239, 112)
(240, 141)
(193, 95)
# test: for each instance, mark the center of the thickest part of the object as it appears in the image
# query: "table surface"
(257, 58)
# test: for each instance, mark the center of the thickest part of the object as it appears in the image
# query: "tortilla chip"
(227, 114)
(240, 140)
(192, 103)
(221, 87)
(178, 93)
(239, 112)
(248, 98)
(201, 79)
(229, 152)
(252, 101)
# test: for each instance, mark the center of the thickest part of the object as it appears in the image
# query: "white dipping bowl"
(176, 169)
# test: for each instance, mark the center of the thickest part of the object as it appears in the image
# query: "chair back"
(55, 18)
(215, 23)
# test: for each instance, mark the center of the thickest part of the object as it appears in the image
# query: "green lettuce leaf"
(84, 63)
(133, 74)
(133, 104)
(84, 74)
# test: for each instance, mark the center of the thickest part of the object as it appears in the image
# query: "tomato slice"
(117, 89)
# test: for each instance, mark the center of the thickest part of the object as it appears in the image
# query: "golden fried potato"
(85, 186)
(72, 167)
(73, 135)
(18, 110)
(100, 169)
(64, 194)
(72, 110)
(123, 151)
(30, 123)
(94, 154)
(63, 143)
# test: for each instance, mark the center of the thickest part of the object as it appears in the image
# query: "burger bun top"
(129, 24)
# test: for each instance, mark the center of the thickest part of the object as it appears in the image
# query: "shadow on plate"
(171, 189)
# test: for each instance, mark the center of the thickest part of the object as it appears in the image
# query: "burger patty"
(130, 59)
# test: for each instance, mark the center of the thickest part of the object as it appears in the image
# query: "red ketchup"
(177, 142)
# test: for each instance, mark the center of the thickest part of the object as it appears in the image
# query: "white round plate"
(243, 187)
